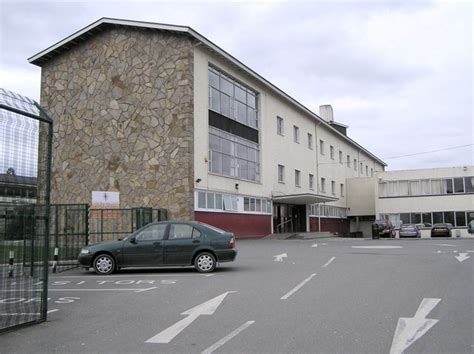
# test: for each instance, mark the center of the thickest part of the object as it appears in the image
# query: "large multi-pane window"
(233, 156)
(232, 99)
(217, 201)
(456, 218)
(328, 211)
(257, 205)
(420, 187)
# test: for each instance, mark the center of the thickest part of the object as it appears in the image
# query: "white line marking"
(314, 245)
(444, 245)
(411, 329)
(93, 276)
(378, 247)
(206, 308)
(135, 290)
(25, 313)
(227, 338)
(298, 287)
(329, 262)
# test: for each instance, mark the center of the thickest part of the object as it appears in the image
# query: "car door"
(183, 240)
(145, 249)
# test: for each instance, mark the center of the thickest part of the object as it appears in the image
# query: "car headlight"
(85, 251)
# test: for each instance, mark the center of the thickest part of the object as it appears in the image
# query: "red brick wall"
(247, 225)
(341, 226)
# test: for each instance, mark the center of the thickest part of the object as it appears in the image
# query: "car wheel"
(104, 264)
(205, 262)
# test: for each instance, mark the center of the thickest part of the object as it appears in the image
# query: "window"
(297, 178)
(201, 199)
(414, 188)
(458, 185)
(321, 147)
(449, 217)
(232, 99)
(340, 157)
(230, 202)
(323, 185)
(154, 232)
(180, 231)
(402, 188)
(366, 170)
(448, 186)
(342, 190)
(331, 152)
(257, 205)
(296, 134)
(348, 161)
(311, 181)
(461, 218)
(436, 187)
(371, 172)
(310, 141)
(196, 233)
(333, 188)
(360, 168)
(437, 217)
(426, 218)
(233, 156)
(281, 173)
(355, 165)
(280, 128)
(469, 184)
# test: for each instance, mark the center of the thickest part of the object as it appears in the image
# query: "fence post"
(87, 224)
(11, 262)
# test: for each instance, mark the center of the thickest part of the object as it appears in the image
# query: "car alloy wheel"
(205, 263)
(104, 264)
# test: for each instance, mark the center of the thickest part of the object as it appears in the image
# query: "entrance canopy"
(302, 199)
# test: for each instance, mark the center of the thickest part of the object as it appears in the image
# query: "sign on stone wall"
(105, 200)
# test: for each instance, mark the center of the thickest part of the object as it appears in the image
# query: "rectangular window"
(414, 188)
(461, 218)
(405, 218)
(280, 128)
(469, 184)
(281, 173)
(403, 188)
(297, 178)
(202, 200)
(437, 217)
(246, 204)
(331, 152)
(321, 147)
(232, 99)
(230, 155)
(425, 187)
(371, 172)
(366, 170)
(348, 161)
(311, 181)
(426, 219)
(448, 186)
(218, 201)
(296, 134)
(458, 185)
(355, 164)
(333, 188)
(323, 185)
(436, 187)
(210, 200)
(342, 190)
(360, 168)
(310, 141)
(449, 217)
(415, 218)
(340, 157)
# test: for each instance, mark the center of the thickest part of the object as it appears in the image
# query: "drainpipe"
(316, 148)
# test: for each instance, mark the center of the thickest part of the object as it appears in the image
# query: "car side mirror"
(133, 240)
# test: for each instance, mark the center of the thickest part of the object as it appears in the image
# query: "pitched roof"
(89, 31)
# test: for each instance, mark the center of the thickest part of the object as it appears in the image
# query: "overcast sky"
(398, 73)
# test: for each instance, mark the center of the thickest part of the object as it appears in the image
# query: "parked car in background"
(410, 230)
(470, 227)
(163, 244)
(385, 228)
(441, 230)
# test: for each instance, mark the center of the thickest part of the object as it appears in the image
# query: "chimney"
(325, 112)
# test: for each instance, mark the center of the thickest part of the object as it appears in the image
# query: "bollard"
(10, 264)
(55, 259)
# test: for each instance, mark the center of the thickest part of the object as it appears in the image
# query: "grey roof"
(17, 180)
(89, 31)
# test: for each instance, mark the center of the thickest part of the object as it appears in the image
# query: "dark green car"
(163, 244)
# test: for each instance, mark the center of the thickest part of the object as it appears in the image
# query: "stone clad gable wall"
(122, 102)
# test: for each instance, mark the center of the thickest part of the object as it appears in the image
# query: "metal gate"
(25, 172)
(69, 233)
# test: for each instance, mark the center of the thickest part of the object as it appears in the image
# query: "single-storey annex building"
(166, 118)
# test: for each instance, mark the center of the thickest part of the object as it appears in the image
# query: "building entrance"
(289, 218)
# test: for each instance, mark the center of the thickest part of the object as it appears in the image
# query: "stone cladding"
(122, 104)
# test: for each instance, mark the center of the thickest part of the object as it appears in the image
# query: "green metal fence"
(25, 171)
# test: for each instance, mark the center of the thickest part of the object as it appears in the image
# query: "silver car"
(410, 230)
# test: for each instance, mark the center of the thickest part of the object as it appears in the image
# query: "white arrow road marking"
(462, 257)
(227, 338)
(297, 287)
(411, 329)
(279, 257)
(206, 308)
(329, 262)
(378, 247)
(444, 245)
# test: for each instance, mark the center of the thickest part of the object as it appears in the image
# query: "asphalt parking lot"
(279, 296)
